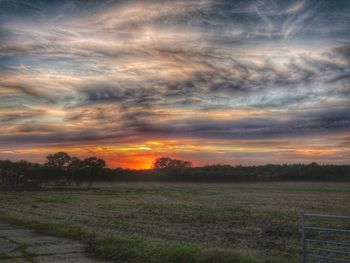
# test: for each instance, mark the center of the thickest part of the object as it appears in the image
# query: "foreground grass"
(133, 249)
(166, 220)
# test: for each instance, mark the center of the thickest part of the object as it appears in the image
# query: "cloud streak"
(77, 73)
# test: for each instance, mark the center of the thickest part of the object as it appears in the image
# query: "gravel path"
(19, 245)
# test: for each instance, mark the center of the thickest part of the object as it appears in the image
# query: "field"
(257, 220)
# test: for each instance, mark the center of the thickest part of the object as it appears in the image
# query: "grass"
(173, 222)
(131, 249)
(59, 199)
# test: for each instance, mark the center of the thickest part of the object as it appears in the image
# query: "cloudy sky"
(234, 82)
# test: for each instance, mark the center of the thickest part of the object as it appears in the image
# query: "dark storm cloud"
(133, 125)
(308, 123)
(343, 51)
(105, 93)
(342, 76)
(55, 137)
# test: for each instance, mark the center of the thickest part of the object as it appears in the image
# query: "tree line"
(61, 168)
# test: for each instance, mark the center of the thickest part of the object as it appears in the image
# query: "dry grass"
(259, 219)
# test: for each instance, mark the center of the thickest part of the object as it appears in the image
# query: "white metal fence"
(325, 238)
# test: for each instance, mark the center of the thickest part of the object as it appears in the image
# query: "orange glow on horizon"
(141, 155)
(317, 151)
(142, 162)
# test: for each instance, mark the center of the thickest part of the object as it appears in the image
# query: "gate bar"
(334, 259)
(345, 244)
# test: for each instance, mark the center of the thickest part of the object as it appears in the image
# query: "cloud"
(306, 123)
(76, 72)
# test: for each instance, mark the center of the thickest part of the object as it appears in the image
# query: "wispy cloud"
(109, 73)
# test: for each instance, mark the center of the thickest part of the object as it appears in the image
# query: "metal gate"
(325, 238)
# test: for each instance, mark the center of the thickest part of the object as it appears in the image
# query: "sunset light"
(210, 81)
(175, 131)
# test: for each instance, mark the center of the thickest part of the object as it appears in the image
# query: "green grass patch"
(220, 210)
(55, 199)
(134, 249)
(197, 209)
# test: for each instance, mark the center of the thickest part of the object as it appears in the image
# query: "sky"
(230, 82)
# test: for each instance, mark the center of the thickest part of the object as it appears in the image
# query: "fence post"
(302, 222)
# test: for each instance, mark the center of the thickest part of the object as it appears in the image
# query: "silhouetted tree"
(59, 160)
(61, 167)
(93, 166)
(74, 170)
(94, 162)
(57, 166)
(165, 162)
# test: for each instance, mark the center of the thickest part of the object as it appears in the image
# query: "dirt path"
(18, 245)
